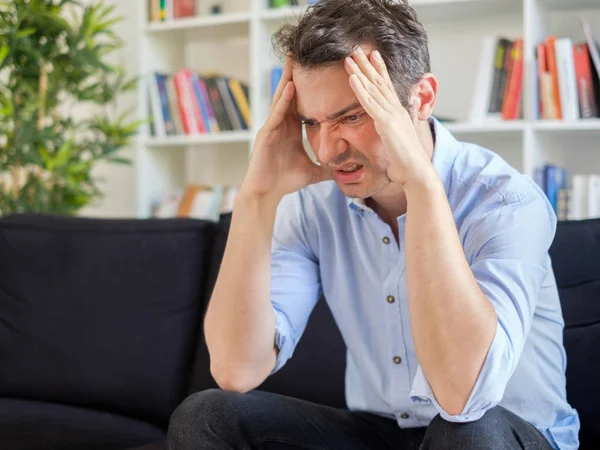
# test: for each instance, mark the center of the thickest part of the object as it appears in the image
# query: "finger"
(379, 65)
(285, 77)
(280, 109)
(360, 59)
(366, 99)
(370, 88)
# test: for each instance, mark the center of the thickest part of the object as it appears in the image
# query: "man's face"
(340, 132)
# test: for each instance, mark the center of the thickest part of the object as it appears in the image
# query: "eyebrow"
(335, 115)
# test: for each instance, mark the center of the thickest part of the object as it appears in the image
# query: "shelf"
(559, 125)
(224, 137)
(514, 126)
(427, 10)
(431, 11)
(281, 13)
(190, 23)
(571, 5)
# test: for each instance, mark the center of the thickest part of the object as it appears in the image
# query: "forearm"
(453, 323)
(240, 321)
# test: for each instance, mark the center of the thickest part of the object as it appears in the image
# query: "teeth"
(350, 169)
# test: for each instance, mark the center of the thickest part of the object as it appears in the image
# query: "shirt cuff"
(283, 339)
(488, 390)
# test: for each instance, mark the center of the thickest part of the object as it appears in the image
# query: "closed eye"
(353, 118)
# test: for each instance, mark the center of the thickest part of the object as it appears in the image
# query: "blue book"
(164, 102)
(203, 107)
(276, 73)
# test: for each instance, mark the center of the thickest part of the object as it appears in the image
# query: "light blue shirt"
(325, 243)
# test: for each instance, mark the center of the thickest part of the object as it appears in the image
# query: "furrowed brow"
(335, 115)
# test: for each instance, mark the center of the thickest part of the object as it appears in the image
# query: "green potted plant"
(53, 66)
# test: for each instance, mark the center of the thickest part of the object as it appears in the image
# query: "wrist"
(246, 197)
(426, 182)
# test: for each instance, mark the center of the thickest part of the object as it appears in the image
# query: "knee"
(483, 434)
(207, 412)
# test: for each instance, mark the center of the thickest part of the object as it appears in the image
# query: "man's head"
(339, 130)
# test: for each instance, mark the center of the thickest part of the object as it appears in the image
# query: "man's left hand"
(373, 87)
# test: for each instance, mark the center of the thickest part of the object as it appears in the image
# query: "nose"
(330, 145)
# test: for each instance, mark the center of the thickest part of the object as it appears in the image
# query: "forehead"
(321, 91)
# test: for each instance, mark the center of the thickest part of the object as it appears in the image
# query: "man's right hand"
(279, 164)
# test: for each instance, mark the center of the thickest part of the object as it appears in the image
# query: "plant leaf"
(4, 50)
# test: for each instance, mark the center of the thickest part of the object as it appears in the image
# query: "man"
(432, 255)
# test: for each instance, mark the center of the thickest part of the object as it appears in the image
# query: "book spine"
(184, 110)
(214, 124)
(200, 103)
(164, 101)
(183, 8)
(542, 68)
(193, 99)
(227, 101)
(217, 104)
(584, 81)
(553, 69)
(173, 106)
(241, 102)
(158, 119)
(510, 109)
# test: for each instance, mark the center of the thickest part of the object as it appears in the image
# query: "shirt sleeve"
(295, 276)
(508, 253)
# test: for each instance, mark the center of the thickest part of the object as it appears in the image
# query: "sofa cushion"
(101, 314)
(315, 372)
(29, 425)
(575, 256)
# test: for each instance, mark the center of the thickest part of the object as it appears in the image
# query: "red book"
(184, 102)
(552, 68)
(542, 67)
(512, 100)
(195, 101)
(585, 85)
(184, 8)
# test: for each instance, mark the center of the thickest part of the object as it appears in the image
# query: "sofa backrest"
(101, 314)
(575, 256)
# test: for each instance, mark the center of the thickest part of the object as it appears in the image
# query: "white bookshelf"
(238, 42)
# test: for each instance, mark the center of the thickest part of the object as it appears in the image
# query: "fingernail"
(378, 56)
(350, 60)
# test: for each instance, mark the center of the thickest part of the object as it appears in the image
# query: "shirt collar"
(445, 151)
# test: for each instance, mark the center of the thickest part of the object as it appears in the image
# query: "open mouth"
(351, 169)
(349, 174)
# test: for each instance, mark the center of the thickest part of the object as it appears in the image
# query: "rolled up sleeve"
(508, 253)
(295, 277)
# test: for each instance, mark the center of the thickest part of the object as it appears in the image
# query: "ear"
(424, 96)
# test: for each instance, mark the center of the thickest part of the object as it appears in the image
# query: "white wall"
(119, 180)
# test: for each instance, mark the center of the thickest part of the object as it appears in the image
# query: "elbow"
(235, 379)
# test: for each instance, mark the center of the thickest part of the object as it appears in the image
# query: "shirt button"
(386, 240)
(397, 360)
(404, 416)
(390, 299)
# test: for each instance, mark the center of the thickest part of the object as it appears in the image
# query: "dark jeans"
(220, 420)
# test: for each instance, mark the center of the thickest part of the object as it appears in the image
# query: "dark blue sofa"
(100, 330)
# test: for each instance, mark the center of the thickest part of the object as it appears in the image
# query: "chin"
(357, 191)
(363, 189)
